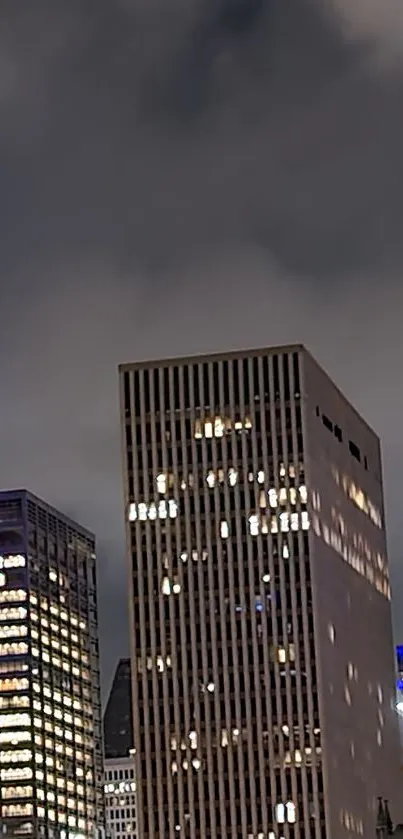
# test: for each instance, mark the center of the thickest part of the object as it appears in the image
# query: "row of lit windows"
(352, 549)
(14, 631)
(13, 613)
(358, 497)
(15, 736)
(218, 426)
(61, 732)
(231, 477)
(79, 672)
(58, 611)
(51, 626)
(8, 667)
(62, 748)
(282, 655)
(13, 595)
(16, 684)
(14, 702)
(62, 698)
(17, 792)
(65, 649)
(63, 819)
(12, 810)
(21, 756)
(169, 509)
(14, 648)
(12, 561)
(60, 714)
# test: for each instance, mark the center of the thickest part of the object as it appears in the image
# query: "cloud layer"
(189, 176)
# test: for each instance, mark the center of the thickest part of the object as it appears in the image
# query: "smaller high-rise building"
(120, 797)
(50, 715)
(118, 722)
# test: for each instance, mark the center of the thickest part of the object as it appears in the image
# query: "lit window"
(272, 498)
(208, 429)
(254, 525)
(219, 427)
(224, 530)
(210, 479)
(280, 813)
(166, 586)
(303, 494)
(12, 561)
(162, 484)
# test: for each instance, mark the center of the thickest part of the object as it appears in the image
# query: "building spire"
(388, 820)
(384, 824)
(381, 821)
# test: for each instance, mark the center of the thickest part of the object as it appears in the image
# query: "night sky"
(180, 176)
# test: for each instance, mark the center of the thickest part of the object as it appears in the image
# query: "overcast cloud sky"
(180, 176)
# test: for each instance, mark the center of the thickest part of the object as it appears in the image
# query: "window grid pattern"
(228, 730)
(58, 677)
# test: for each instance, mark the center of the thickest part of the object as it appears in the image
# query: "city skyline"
(188, 183)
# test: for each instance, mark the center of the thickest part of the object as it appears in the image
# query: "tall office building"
(262, 655)
(50, 717)
(118, 717)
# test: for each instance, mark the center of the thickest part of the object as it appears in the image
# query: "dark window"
(354, 450)
(156, 390)
(286, 377)
(276, 377)
(176, 387)
(146, 380)
(338, 433)
(295, 364)
(327, 422)
(137, 393)
(196, 390)
(127, 391)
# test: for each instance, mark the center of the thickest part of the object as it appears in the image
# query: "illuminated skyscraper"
(50, 716)
(262, 656)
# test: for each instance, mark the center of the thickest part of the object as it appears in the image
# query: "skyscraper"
(118, 717)
(50, 716)
(262, 655)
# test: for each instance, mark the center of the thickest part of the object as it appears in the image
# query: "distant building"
(120, 797)
(384, 824)
(262, 652)
(118, 722)
(51, 781)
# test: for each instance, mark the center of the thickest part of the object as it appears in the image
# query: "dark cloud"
(183, 176)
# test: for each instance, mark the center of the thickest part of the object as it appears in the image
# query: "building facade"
(262, 656)
(50, 715)
(118, 716)
(120, 797)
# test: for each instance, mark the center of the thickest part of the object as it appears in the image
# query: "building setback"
(50, 718)
(262, 654)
